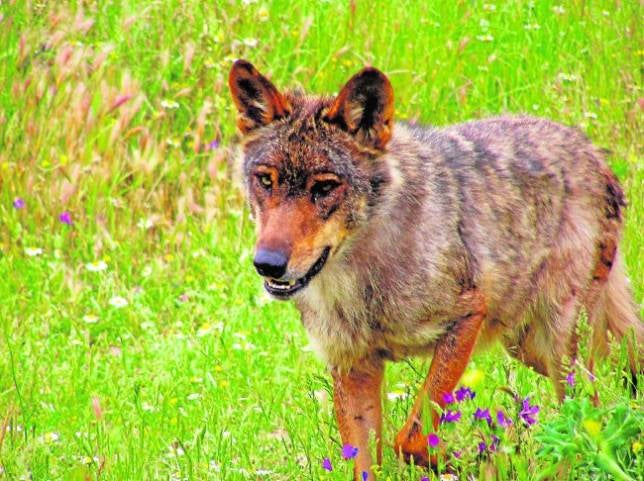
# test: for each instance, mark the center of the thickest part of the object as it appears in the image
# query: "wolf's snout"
(270, 263)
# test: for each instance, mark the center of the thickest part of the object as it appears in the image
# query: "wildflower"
(262, 14)
(349, 452)
(392, 396)
(33, 251)
(90, 319)
(96, 266)
(65, 218)
(592, 427)
(495, 443)
(213, 144)
(448, 477)
(50, 438)
(169, 104)
(482, 447)
(18, 203)
(483, 414)
(503, 420)
(448, 397)
(457, 454)
(365, 476)
(433, 440)
(570, 379)
(424, 478)
(326, 464)
(450, 416)
(473, 377)
(528, 413)
(118, 302)
(463, 393)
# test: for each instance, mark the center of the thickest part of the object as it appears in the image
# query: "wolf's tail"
(617, 313)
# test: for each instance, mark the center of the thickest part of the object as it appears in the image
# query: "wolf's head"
(311, 169)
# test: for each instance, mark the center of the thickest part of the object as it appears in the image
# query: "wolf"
(398, 240)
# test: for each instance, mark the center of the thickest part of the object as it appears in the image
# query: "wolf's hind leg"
(451, 356)
(547, 339)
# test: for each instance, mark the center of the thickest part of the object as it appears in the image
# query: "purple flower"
(424, 478)
(495, 443)
(457, 454)
(213, 144)
(18, 203)
(349, 452)
(570, 379)
(528, 413)
(448, 397)
(482, 447)
(65, 218)
(591, 377)
(326, 464)
(450, 416)
(503, 420)
(365, 476)
(464, 393)
(483, 414)
(433, 440)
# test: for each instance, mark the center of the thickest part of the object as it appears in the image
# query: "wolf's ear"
(365, 108)
(257, 100)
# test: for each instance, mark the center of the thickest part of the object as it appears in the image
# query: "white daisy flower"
(96, 266)
(118, 302)
(33, 251)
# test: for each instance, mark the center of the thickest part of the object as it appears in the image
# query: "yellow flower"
(637, 447)
(472, 377)
(592, 427)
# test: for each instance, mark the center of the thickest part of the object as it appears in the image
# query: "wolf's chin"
(285, 290)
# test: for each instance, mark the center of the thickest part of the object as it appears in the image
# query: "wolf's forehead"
(297, 156)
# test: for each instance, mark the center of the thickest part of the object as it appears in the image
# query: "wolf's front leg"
(357, 400)
(451, 355)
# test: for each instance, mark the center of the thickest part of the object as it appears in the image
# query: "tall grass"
(135, 342)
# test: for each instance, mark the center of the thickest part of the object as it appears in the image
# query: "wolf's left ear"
(365, 108)
(257, 100)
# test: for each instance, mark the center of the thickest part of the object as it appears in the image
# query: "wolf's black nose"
(270, 263)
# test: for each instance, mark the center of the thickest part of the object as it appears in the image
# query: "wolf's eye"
(265, 181)
(322, 188)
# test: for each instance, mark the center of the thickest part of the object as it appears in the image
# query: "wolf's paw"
(412, 446)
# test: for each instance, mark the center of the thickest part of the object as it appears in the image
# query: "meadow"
(135, 338)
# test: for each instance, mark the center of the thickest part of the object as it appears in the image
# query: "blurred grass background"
(117, 112)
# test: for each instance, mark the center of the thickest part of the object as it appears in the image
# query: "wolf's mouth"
(285, 289)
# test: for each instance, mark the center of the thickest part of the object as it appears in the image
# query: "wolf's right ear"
(257, 100)
(365, 108)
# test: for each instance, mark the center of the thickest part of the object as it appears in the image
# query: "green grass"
(106, 111)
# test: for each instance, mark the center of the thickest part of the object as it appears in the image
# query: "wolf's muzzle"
(270, 263)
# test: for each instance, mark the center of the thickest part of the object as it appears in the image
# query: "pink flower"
(433, 440)
(65, 218)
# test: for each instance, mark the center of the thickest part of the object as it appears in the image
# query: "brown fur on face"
(311, 142)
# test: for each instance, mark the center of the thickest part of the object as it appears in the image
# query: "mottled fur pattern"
(523, 211)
